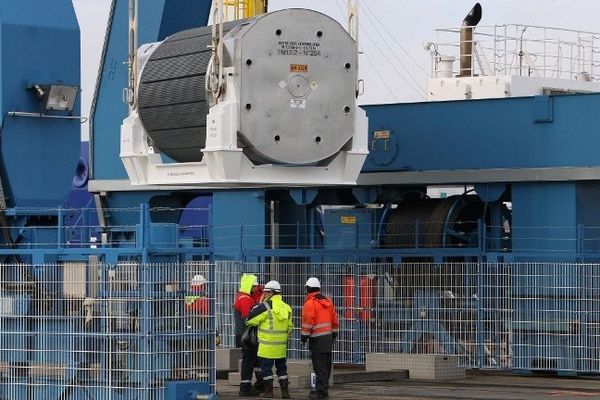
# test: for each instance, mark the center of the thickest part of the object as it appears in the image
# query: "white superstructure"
(512, 61)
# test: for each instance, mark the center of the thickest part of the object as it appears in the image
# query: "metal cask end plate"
(299, 86)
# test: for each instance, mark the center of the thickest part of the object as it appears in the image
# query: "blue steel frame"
(478, 134)
(243, 250)
(539, 133)
(158, 19)
(40, 45)
(143, 250)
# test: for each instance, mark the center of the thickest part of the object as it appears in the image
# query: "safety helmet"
(199, 280)
(273, 286)
(313, 282)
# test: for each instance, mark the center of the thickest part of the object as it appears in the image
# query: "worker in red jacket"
(197, 302)
(320, 326)
(249, 295)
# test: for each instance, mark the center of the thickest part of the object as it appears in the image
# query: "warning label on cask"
(299, 68)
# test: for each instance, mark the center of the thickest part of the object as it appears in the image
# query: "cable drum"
(172, 101)
(435, 223)
(404, 221)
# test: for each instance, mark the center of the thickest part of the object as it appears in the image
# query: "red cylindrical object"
(349, 297)
(367, 297)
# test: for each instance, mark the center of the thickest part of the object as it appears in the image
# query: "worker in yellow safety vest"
(273, 317)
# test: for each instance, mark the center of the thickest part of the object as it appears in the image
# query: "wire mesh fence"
(531, 316)
(84, 330)
(78, 330)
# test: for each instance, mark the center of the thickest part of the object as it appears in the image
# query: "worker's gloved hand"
(303, 340)
(334, 336)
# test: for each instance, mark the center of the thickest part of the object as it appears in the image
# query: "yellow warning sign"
(348, 219)
(381, 135)
(298, 67)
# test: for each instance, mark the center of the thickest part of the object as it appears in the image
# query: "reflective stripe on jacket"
(197, 304)
(318, 316)
(274, 321)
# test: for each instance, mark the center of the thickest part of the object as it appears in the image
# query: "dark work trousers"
(266, 368)
(249, 363)
(321, 363)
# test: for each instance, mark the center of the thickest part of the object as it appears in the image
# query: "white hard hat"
(313, 283)
(273, 286)
(199, 280)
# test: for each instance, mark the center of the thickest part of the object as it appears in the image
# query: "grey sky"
(388, 78)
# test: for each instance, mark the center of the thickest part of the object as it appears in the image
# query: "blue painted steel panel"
(497, 133)
(349, 228)
(39, 45)
(157, 20)
(185, 390)
(79, 197)
(239, 222)
(195, 220)
(543, 108)
(588, 216)
(544, 218)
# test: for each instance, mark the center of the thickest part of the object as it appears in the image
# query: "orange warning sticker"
(348, 219)
(381, 135)
(298, 67)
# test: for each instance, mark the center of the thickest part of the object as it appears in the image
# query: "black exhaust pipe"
(466, 40)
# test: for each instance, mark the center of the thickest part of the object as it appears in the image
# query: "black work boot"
(246, 390)
(259, 385)
(285, 392)
(268, 393)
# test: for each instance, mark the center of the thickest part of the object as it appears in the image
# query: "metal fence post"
(60, 227)
(480, 315)
(145, 222)
(242, 241)
(417, 232)
(580, 239)
(145, 298)
(481, 227)
(356, 314)
(212, 359)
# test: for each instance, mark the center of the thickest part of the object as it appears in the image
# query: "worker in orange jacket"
(320, 326)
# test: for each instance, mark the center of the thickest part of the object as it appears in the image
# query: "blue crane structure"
(537, 154)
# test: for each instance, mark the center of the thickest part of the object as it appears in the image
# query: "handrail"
(525, 50)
